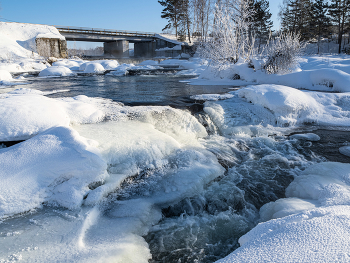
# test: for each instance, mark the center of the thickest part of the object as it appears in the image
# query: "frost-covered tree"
(231, 40)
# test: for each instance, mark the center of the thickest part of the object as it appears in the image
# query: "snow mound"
(56, 71)
(18, 39)
(109, 64)
(55, 166)
(287, 104)
(71, 64)
(25, 115)
(94, 68)
(324, 184)
(5, 75)
(328, 183)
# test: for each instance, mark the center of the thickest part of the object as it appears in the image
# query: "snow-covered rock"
(56, 71)
(94, 68)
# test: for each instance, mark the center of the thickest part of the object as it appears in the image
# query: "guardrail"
(99, 31)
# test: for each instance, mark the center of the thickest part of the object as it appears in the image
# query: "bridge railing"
(100, 31)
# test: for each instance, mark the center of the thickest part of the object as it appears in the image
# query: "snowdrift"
(18, 39)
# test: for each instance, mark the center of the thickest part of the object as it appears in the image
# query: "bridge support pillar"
(119, 48)
(145, 49)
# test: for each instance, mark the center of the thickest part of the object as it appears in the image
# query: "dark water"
(131, 90)
(331, 139)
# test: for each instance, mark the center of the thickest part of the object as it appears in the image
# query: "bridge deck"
(98, 31)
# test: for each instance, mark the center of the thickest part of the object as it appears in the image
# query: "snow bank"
(326, 79)
(314, 74)
(24, 65)
(55, 167)
(25, 115)
(264, 109)
(56, 71)
(319, 235)
(311, 225)
(18, 39)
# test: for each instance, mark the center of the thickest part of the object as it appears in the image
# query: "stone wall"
(51, 47)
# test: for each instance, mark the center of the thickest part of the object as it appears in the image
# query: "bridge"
(116, 42)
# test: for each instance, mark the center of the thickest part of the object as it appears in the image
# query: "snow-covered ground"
(94, 179)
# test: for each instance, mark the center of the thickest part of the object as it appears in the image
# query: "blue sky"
(134, 15)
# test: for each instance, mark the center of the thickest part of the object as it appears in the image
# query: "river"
(203, 222)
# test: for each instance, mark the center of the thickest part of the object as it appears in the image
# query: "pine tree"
(320, 21)
(296, 17)
(339, 11)
(262, 23)
(173, 13)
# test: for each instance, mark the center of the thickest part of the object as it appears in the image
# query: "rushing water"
(203, 226)
(165, 89)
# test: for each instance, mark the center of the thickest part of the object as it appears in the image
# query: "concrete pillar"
(119, 49)
(145, 49)
(51, 47)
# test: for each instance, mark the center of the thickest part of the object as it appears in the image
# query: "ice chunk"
(55, 166)
(212, 97)
(131, 148)
(306, 136)
(285, 207)
(345, 150)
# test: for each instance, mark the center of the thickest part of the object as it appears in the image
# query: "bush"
(282, 53)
